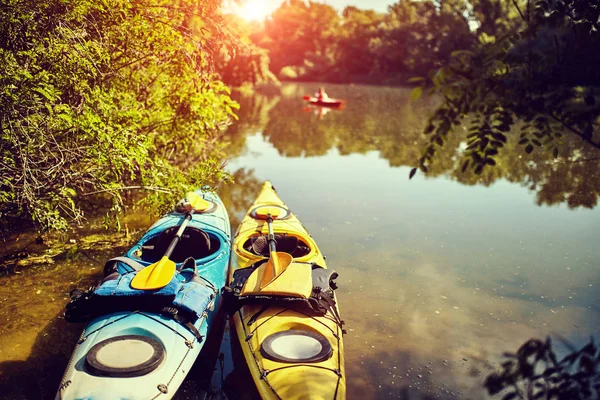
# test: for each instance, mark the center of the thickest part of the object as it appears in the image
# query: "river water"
(439, 275)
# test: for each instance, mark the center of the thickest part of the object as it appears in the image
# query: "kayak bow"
(324, 102)
(292, 351)
(140, 344)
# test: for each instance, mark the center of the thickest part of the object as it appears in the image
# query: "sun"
(256, 10)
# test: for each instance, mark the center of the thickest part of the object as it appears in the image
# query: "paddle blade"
(154, 276)
(278, 263)
(197, 203)
(264, 211)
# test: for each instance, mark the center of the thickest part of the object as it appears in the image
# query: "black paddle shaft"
(272, 241)
(188, 217)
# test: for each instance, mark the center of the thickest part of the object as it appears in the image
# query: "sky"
(377, 5)
(258, 9)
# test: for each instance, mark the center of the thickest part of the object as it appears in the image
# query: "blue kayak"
(140, 344)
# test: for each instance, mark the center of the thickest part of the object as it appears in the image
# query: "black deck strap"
(80, 308)
(173, 312)
(329, 300)
(111, 265)
(258, 313)
(240, 277)
(205, 282)
(189, 263)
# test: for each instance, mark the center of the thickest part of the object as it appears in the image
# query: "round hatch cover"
(296, 346)
(125, 356)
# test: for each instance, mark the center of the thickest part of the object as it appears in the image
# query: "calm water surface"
(438, 275)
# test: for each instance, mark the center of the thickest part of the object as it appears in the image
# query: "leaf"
(412, 173)
(458, 53)
(500, 137)
(44, 93)
(484, 38)
(555, 152)
(415, 94)
(465, 166)
(416, 79)
(529, 148)
(510, 396)
(66, 118)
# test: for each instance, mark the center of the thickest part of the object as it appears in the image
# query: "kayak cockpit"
(194, 243)
(294, 245)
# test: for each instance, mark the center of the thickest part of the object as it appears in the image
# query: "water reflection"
(386, 121)
(35, 341)
(438, 276)
(442, 274)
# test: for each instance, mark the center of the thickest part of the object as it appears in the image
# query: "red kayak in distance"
(324, 102)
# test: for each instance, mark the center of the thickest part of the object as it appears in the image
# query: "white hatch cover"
(125, 356)
(296, 346)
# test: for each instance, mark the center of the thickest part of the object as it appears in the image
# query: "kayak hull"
(252, 324)
(325, 103)
(178, 344)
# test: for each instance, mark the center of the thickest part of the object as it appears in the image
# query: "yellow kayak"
(287, 320)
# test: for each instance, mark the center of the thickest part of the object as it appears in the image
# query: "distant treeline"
(503, 68)
(310, 41)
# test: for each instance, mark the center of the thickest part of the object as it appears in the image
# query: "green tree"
(353, 53)
(539, 81)
(418, 36)
(99, 96)
(299, 34)
(244, 63)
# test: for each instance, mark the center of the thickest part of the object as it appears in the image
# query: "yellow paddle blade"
(154, 276)
(278, 262)
(197, 202)
(263, 212)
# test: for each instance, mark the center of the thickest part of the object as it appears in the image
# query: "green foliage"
(363, 45)
(296, 32)
(243, 63)
(538, 81)
(98, 96)
(534, 372)
(288, 73)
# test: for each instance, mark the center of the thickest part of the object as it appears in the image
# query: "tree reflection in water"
(385, 120)
(534, 372)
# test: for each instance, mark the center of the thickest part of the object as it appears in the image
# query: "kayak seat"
(259, 245)
(194, 243)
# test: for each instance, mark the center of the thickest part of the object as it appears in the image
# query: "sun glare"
(254, 9)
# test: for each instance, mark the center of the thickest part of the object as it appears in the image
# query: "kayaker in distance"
(321, 95)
